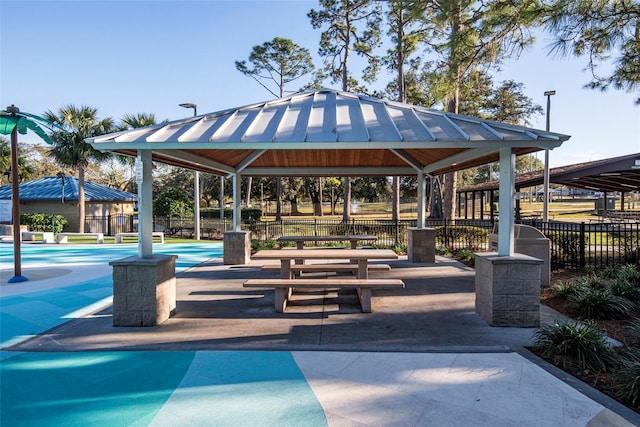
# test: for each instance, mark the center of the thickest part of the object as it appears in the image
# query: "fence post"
(582, 246)
(315, 226)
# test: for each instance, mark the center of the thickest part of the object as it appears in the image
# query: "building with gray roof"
(53, 195)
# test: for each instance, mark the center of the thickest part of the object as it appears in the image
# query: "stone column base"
(144, 290)
(421, 247)
(237, 247)
(508, 289)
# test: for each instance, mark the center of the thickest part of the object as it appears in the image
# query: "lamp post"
(196, 184)
(15, 203)
(62, 178)
(545, 192)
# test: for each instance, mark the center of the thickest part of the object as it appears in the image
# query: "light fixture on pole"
(545, 192)
(61, 175)
(196, 184)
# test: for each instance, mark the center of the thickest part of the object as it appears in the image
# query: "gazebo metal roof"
(607, 175)
(50, 188)
(327, 132)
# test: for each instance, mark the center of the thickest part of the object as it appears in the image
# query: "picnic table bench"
(284, 288)
(335, 268)
(62, 237)
(47, 236)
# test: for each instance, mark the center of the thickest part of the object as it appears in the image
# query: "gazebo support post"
(144, 286)
(507, 283)
(145, 205)
(237, 243)
(421, 245)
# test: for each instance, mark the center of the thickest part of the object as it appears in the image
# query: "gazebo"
(326, 132)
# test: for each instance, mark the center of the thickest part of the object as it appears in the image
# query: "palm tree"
(140, 120)
(134, 121)
(69, 147)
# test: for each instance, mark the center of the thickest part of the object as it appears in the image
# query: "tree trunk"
(320, 211)
(395, 211)
(81, 207)
(451, 179)
(346, 211)
(249, 179)
(450, 184)
(294, 206)
(278, 199)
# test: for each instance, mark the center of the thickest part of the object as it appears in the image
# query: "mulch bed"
(616, 329)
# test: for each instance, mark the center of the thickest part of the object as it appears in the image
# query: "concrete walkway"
(423, 357)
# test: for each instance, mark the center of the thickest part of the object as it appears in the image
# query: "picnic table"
(284, 286)
(361, 256)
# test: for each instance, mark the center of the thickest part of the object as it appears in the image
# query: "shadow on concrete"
(434, 312)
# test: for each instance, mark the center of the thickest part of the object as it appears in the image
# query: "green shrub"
(584, 346)
(258, 245)
(634, 332)
(565, 289)
(623, 288)
(443, 250)
(211, 213)
(594, 303)
(44, 222)
(591, 282)
(628, 272)
(465, 256)
(568, 244)
(628, 380)
(173, 202)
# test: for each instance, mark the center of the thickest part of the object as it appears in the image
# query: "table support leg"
(364, 295)
(281, 296)
(363, 271)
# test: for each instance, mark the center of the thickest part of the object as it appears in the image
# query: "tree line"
(442, 54)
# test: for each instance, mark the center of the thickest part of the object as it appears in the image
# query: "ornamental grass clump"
(597, 303)
(628, 378)
(565, 289)
(622, 287)
(573, 344)
(630, 273)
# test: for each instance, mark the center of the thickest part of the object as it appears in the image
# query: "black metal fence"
(594, 244)
(573, 245)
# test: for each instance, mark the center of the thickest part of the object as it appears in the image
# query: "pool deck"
(423, 357)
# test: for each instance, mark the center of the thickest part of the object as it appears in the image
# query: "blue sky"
(126, 57)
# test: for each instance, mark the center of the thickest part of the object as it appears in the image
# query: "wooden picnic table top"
(338, 238)
(356, 254)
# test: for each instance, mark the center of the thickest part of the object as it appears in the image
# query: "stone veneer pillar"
(237, 247)
(144, 290)
(508, 289)
(421, 247)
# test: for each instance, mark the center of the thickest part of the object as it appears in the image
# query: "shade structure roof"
(50, 188)
(326, 132)
(607, 175)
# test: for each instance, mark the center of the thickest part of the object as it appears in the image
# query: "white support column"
(237, 191)
(422, 196)
(196, 205)
(506, 201)
(145, 203)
